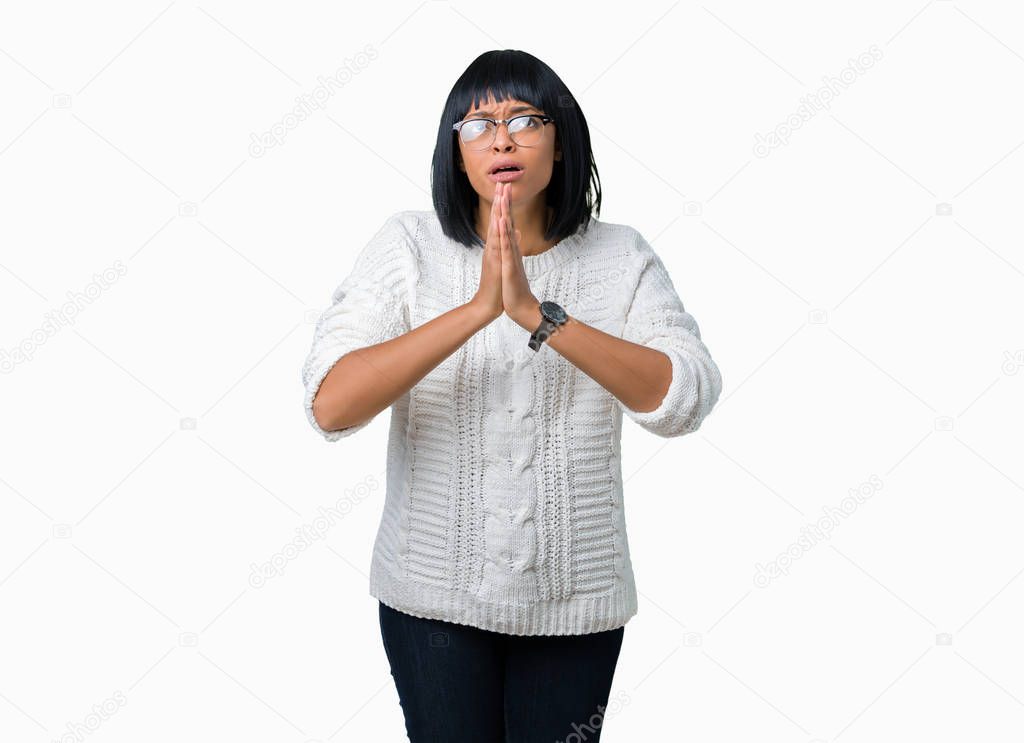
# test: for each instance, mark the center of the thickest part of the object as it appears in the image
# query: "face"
(536, 161)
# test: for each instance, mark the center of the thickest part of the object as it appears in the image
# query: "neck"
(530, 219)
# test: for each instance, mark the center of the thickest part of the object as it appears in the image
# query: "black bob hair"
(575, 186)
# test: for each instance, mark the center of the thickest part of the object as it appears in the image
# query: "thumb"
(518, 235)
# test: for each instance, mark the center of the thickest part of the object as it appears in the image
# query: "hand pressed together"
(516, 296)
(504, 286)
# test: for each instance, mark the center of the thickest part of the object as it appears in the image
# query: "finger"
(492, 236)
(508, 208)
(513, 246)
(504, 202)
(503, 190)
(492, 229)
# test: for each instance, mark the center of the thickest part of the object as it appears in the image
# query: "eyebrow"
(514, 109)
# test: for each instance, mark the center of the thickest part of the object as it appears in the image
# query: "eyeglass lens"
(526, 131)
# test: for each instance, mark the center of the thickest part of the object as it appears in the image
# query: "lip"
(505, 162)
(506, 176)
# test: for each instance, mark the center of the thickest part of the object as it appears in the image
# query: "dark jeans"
(461, 684)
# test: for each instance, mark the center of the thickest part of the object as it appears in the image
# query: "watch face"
(553, 312)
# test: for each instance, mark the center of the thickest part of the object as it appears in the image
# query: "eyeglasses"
(525, 131)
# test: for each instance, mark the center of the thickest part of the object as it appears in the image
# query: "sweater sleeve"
(656, 319)
(368, 307)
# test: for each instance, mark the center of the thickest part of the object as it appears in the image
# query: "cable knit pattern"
(504, 501)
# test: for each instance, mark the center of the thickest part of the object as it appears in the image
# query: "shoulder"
(389, 253)
(622, 236)
(400, 236)
(410, 218)
(631, 250)
(400, 226)
(419, 229)
(638, 243)
(419, 224)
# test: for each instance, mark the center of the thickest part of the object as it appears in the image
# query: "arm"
(659, 370)
(364, 354)
(638, 376)
(365, 381)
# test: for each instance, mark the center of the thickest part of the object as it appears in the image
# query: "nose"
(502, 140)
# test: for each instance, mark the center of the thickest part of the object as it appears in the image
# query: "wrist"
(482, 314)
(527, 316)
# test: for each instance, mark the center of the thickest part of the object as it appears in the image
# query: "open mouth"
(505, 167)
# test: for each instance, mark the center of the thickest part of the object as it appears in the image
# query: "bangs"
(506, 78)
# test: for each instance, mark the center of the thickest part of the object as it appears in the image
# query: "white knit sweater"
(504, 500)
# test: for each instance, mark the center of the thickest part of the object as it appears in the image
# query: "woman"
(509, 329)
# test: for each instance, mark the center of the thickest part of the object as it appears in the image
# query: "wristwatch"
(552, 316)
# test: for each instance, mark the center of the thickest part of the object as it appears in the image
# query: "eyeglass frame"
(457, 126)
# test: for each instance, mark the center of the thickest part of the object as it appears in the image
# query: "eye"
(525, 122)
(474, 128)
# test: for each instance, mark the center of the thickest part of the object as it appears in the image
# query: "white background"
(154, 446)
